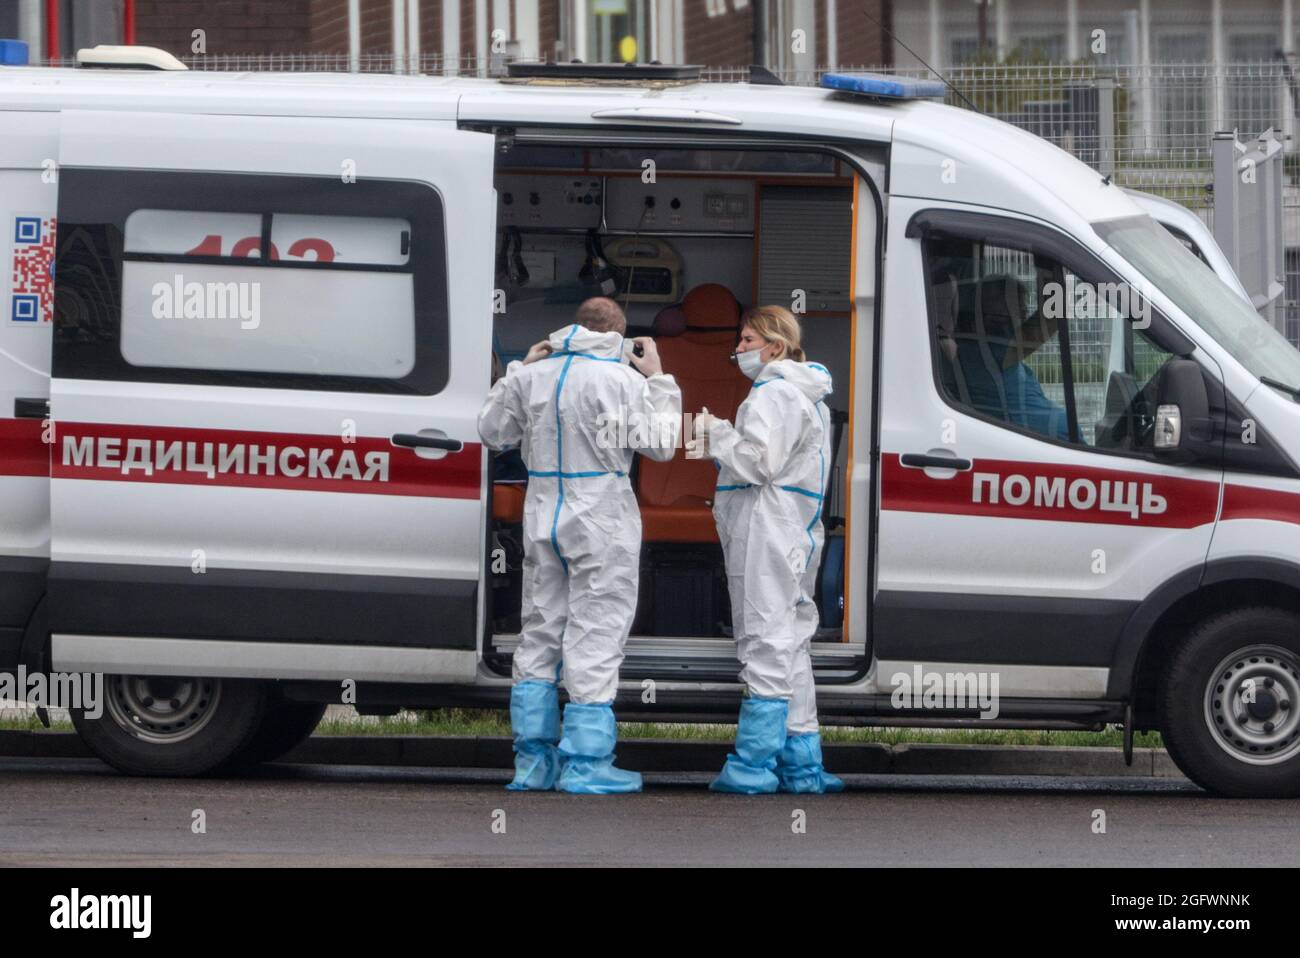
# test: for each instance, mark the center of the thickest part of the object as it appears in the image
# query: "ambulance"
(248, 322)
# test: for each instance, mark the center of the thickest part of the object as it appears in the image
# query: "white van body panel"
(28, 192)
(376, 534)
(132, 655)
(1260, 518)
(402, 533)
(374, 95)
(949, 154)
(789, 111)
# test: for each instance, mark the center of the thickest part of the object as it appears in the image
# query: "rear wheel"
(285, 725)
(162, 725)
(1231, 704)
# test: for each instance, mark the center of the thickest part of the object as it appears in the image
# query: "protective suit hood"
(812, 379)
(579, 339)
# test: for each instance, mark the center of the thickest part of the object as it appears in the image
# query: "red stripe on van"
(23, 451)
(1252, 502)
(1188, 502)
(457, 475)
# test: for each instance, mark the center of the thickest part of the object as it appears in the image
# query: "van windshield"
(1197, 291)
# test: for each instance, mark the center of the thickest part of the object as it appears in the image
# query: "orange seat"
(685, 522)
(508, 501)
(676, 495)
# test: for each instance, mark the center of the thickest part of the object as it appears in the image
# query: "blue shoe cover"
(587, 751)
(535, 721)
(759, 737)
(799, 766)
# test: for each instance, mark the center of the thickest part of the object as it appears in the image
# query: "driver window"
(998, 316)
(999, 351)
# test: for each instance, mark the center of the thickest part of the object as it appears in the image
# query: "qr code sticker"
(32, 279)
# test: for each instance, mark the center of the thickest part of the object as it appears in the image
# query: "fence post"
(1272, 147)
(1223, 157)
(1248, 218)
(1106, 125)
(354, 36)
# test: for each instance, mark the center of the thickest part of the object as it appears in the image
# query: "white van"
(261, 313)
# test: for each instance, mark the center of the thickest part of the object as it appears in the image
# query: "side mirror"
(1183, 427)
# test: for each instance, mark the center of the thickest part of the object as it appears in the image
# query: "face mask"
(750, 362)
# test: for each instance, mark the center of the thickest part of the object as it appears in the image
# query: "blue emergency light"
(13, 53)
(883, 86)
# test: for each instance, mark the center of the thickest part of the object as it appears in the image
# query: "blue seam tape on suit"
(559, 454)
(821, 455)
(749, 485)
(556, 474)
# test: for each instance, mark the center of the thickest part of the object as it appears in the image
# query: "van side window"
(269, 281)
(999, 356)
(1021, 340)
(189, 299)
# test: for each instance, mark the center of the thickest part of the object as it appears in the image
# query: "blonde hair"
(777, 324)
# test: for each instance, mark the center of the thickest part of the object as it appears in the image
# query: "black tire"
(285, 725)
(1218, 736)
(164, 726)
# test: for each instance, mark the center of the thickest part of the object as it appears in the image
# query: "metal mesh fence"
(1150, 126)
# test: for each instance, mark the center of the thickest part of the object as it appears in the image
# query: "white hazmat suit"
(772, 478)
(578, 416)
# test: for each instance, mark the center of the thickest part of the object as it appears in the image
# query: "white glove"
(698, 447)
(704, 421)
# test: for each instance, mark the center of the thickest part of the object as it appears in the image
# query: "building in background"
(786, 35)
(78, 23)
(950, 33)
(1187, 67)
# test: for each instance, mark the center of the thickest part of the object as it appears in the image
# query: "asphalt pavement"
(72, 811)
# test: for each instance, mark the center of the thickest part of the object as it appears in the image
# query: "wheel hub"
(1264, 707)
(1249, 704)
(161, 709)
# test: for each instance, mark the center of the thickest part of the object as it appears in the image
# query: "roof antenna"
(948, 83)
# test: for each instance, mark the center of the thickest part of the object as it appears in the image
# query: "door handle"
(918, 460)
(27, 408)
(413, 441)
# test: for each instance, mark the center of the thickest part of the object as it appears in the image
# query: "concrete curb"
(674, 755)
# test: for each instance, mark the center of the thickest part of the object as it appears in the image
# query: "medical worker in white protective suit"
(563, 405)
(771, 481)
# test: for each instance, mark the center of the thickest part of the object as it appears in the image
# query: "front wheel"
(162, 725)
(1230, 704)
